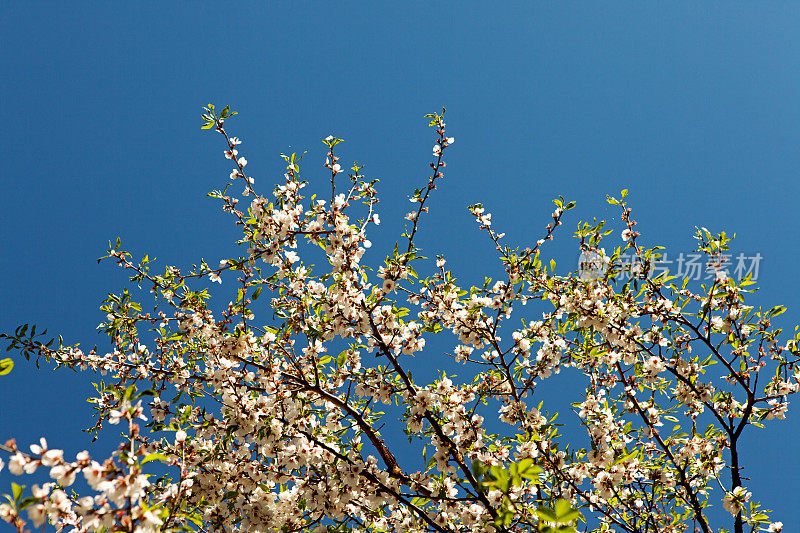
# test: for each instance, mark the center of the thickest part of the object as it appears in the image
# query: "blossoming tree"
(265, 414)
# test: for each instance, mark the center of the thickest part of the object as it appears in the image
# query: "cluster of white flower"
(269, 429)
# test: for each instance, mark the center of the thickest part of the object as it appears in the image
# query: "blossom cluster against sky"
(693, 108)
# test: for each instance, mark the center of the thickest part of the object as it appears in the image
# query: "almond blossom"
(276, 407)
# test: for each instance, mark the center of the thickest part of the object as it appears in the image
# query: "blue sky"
(691, 106)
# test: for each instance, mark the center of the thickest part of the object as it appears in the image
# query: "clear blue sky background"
(692, 106)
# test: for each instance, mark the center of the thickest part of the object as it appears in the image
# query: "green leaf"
(130, 391)
(230, 495)
(5, 366)
(528, 470)
(565, 511)
(155, 457)
(775, 311)
(502, 478)
(547, 514)
(17, 490)
(27, 502)
(331, 142)
(562, 506)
